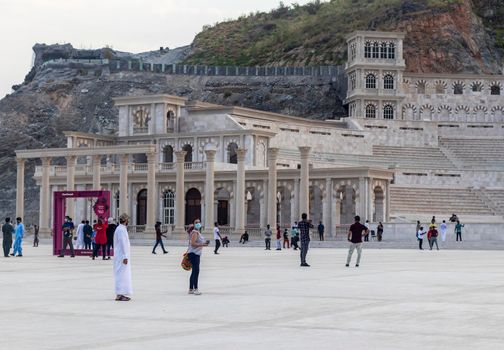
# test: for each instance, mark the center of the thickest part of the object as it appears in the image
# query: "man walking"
(122, 262)
(20, 230)
(88, 234)
(7, 231)
(458, 230)
(35, 236)
(321, 229)
(217, 237)
(443, 228)
(304, 231)
(366, 237)
(267, 237)
(432, 237)
(67, 228)
(355, 238)
(159, 238)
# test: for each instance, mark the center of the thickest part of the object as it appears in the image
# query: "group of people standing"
(8, 230)
(433, 233)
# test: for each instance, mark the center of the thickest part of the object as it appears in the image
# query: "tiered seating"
(427, 158)
(497, 198)
(487, 153)
(436, 201)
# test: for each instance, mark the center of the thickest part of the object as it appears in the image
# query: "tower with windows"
(375, 73)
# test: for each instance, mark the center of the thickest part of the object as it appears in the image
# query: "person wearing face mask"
(196, 244)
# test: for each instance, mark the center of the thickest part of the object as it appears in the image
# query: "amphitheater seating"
(436, 201)
(483, 153)
(427, 158)
(497, 199)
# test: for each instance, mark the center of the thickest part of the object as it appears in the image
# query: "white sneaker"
(190, 291)
(196, 292)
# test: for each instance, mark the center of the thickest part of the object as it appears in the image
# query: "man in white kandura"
(122, 262)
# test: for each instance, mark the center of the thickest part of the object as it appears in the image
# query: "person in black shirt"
(7, 230)
(110, 236)
(304, 227)
(320, 229)
(88, 233)
(355, 238)
(159, 239)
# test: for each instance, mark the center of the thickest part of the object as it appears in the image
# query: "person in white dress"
(80, 235)
(443, 228)
(122, 261)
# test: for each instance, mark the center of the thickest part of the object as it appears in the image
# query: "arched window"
(370, 81)
(383, 50)
(421, 87)
(391, 51)
(388, 82)
(367, 49)
(495, 90)
(168, 208)
(188, 156)
(440, 88)
(388, 112)
(477, 87)
(170, 121)
(168, 154)
(376, 50)
(370, 111)
(458, 89)
(232, 156)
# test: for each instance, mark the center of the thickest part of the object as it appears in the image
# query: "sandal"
(122, 298)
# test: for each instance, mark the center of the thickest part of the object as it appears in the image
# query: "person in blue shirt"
(18, 249)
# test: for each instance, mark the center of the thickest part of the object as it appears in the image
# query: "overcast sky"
(126, 25)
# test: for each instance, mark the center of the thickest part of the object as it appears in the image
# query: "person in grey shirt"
(267, 237)
(7, 231)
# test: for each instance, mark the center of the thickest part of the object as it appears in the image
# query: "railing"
(194, 165)
(132, 229)
(140, 130)
(166, 166)
(140, 167)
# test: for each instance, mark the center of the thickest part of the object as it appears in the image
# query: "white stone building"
(414, 145)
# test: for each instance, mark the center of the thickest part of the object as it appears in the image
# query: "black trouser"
(217, 245)
(366, 238)
(379, 236)
(36, 241)
(103, 249)
(268, 243)
(195, 263)
(67, 241)
(321, 236)
(420, 242)
(87, 244)
(304, 251)
(109, 247)
(294, 242)
(7, 244)
(158, 241)
(459, 235)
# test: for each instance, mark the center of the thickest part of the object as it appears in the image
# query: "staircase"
(428, 158)
(476, 153)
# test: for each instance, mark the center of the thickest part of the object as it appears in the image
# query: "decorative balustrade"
(194, 166)
(163, 167)
(140, 167)
(140, 130)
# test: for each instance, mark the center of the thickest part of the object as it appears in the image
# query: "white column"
(363, 189)
(295, 215)
(44, 195)
(20, 175)
(209, 190)
(370, 197)
(326, 207)
(262, 205)
(240, 192)
(151, 192)
(97, 172)
(272, 187)
(179, 193)
(304, 190)
(70, 186)
(123, 184)
(387, 203)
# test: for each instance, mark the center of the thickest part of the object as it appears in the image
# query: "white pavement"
(256, 299)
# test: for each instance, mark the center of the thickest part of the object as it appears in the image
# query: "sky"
(125, 25)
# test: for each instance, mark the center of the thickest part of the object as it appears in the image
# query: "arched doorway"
(222, 198)
(188, 157)
(168, 154)
(315, 205)
(193, 206)
(378, 204)
(253, 207)
(347, 204)
(141, 217)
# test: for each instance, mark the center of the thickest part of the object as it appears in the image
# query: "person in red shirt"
(101, 238)
(279, 238)
(432, 237)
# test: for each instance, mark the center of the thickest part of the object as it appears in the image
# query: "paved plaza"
(256, 299)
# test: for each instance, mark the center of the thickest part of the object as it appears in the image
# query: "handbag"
(186, 263)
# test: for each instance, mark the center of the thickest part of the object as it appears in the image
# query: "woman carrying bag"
(196, 244)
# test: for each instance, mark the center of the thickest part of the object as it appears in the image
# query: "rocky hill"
(442, 36)
(445, 36)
